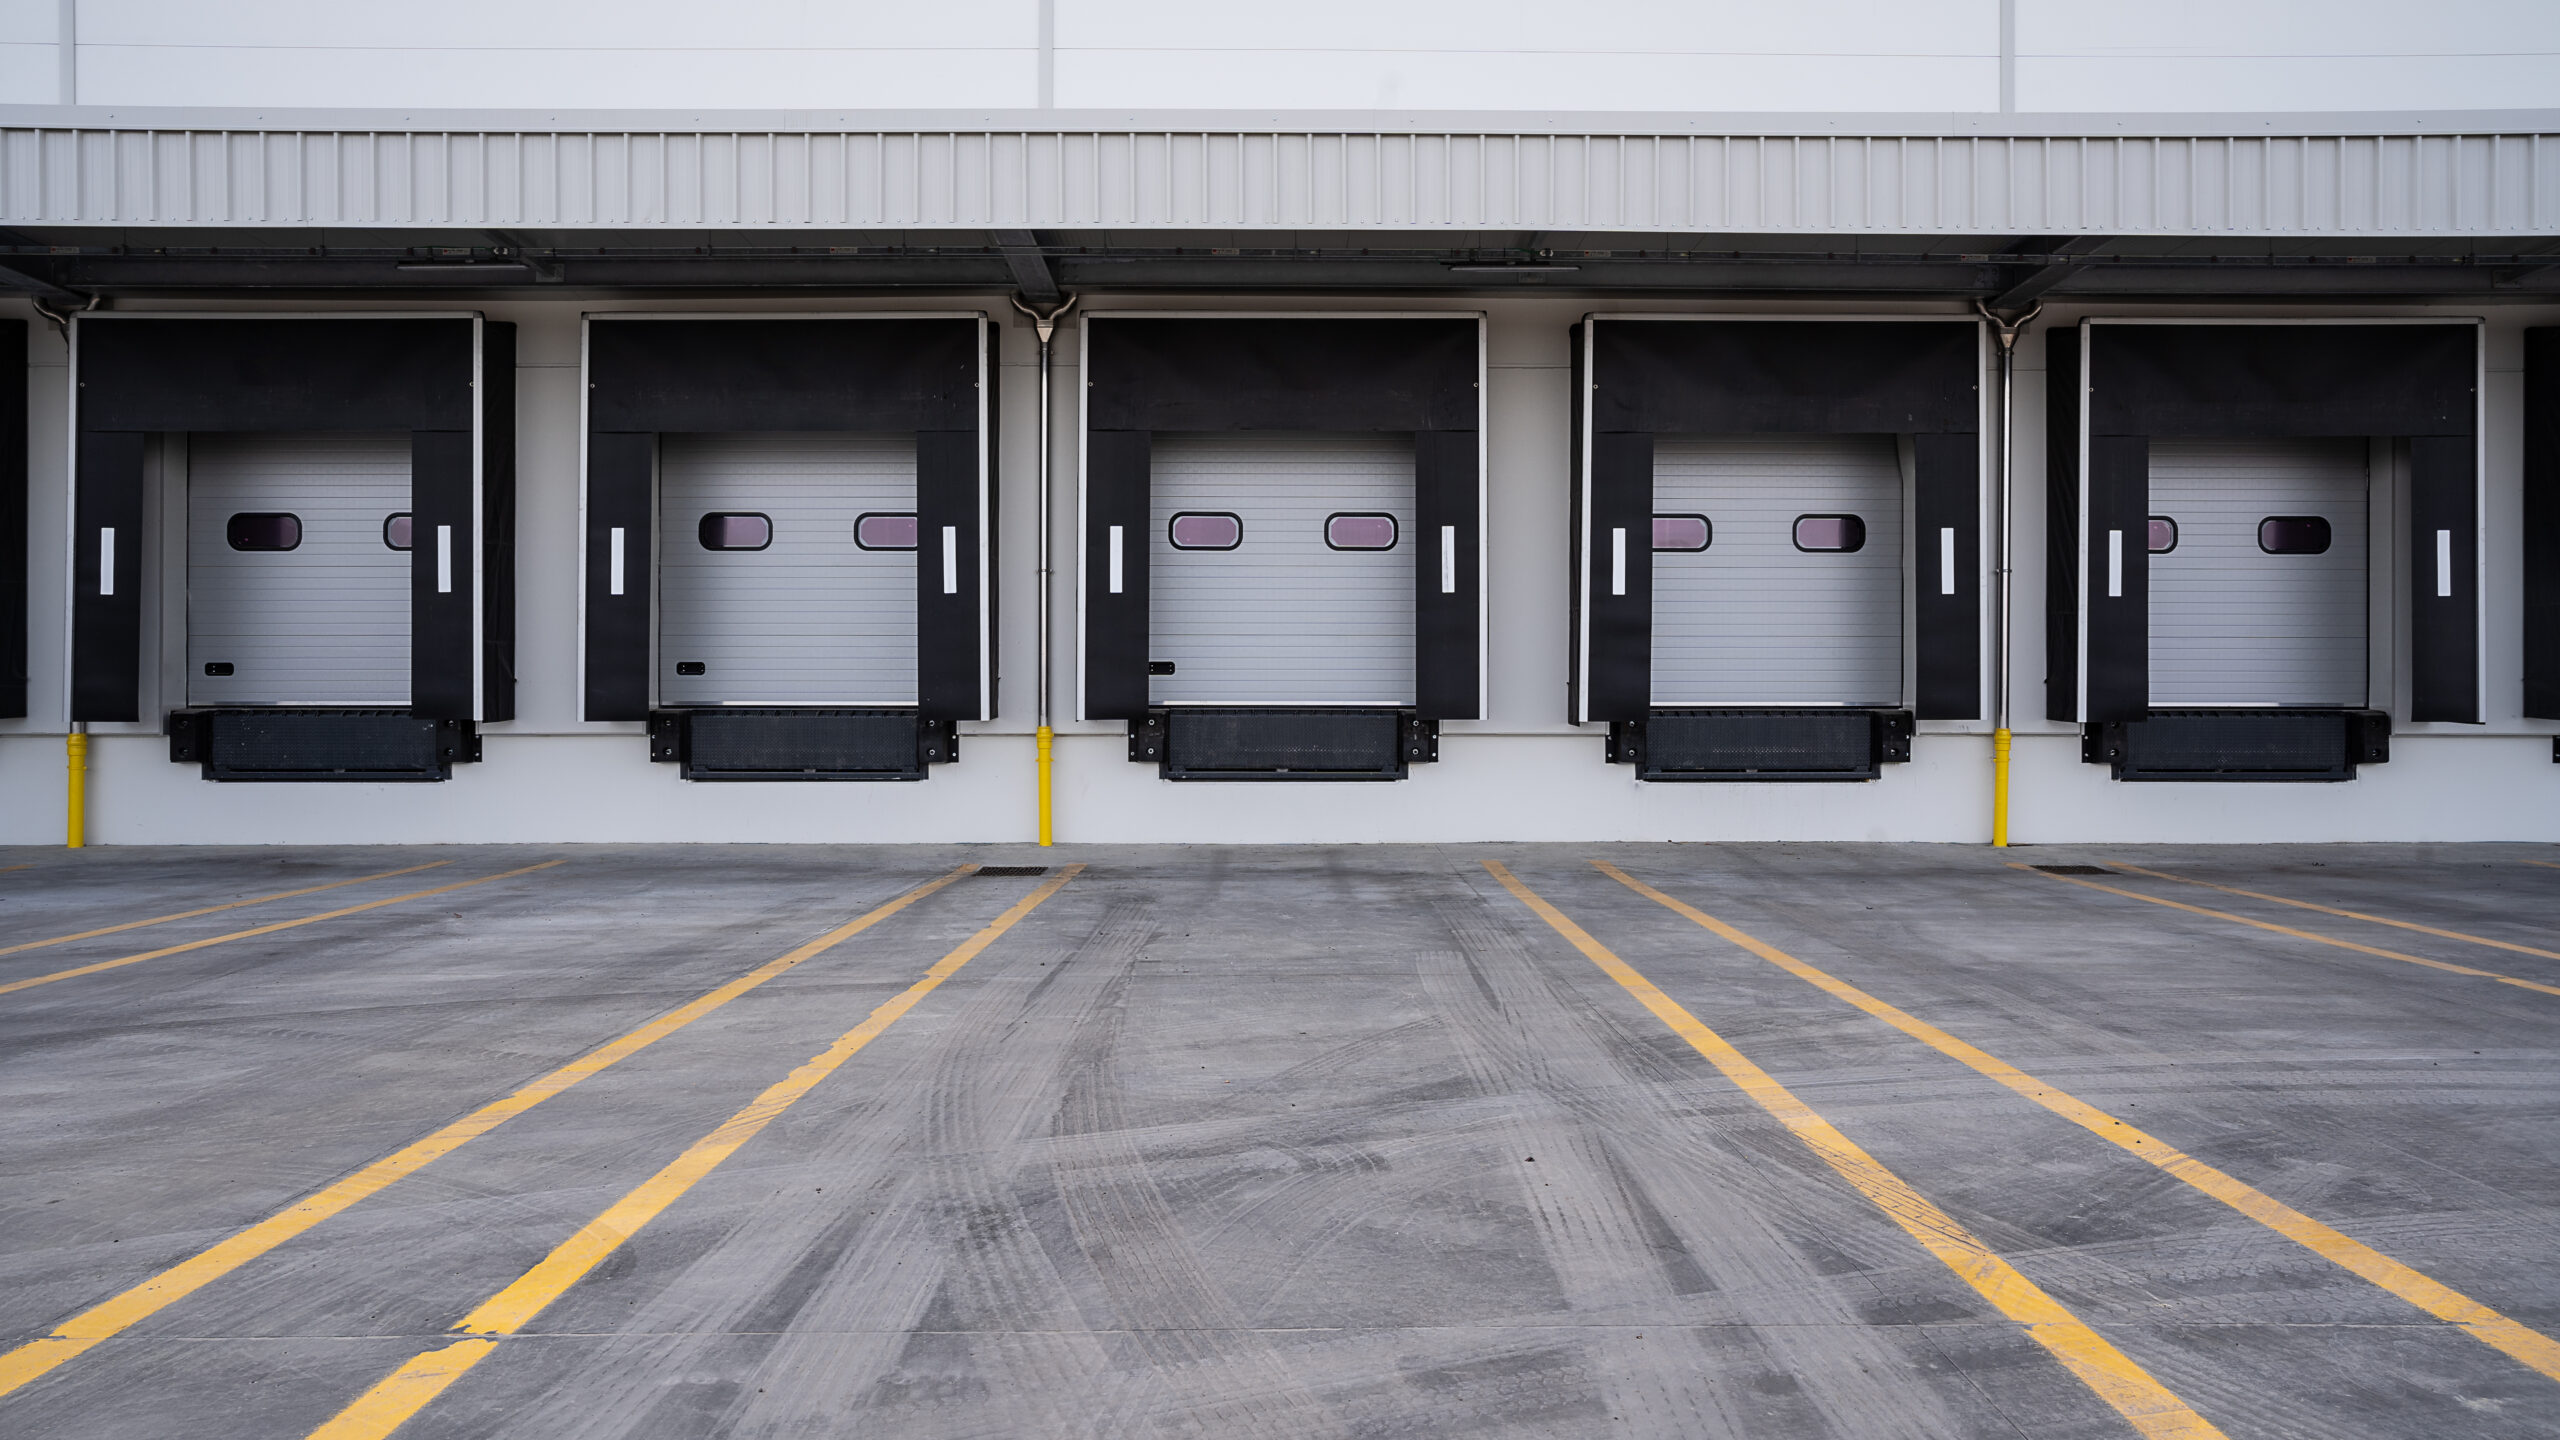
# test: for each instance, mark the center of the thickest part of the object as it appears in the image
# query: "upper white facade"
(1669, 56)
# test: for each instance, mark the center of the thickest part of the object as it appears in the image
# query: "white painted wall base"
(602, 788)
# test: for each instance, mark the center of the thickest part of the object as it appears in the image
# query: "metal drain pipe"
(2005, 334)
(1046, 326)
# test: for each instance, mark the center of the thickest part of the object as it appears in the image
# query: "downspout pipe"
(1045, 324)
(2004, 334)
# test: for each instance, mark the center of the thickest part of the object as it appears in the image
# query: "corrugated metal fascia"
(2300, 185)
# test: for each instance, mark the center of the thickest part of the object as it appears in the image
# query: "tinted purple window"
(736, 532)
(1682, 532)
(263, 532)
(1360, 532)
(395, 531)
(1843, 534)
(2164, 534)
(885, 532)
(2294, 535)
(1206, 530)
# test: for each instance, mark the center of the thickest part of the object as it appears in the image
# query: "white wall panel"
(2174, 29)
(1727, 27)
(1364, 79)
(2281, 185)
(30, 73)
(2336, 55)
(2159, 84)
(526, 77)
(602, 25)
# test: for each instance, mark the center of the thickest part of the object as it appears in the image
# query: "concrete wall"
(1521, 773)
(1603, 55)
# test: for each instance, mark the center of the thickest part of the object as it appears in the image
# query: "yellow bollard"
(2000, 789)
(76, 818)
(1045, 735)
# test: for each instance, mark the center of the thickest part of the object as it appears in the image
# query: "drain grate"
(1000, 871)
(2075, 869)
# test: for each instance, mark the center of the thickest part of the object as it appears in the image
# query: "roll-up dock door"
(1777, 539)
(2210, 552)
(1283, 540)
(298, 569)
(345, 485)
(2258, 572)
(790, 539)
(796, 608)
(1759, 598)
(1263, 606)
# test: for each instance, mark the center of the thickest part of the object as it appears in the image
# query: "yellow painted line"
(112, 1317)
(2297, 934)
(404, 1392)
(2112, 1374)
(2334, 910)
(2478, 1321)
(210, 909)
(30, 865)
(77, 971)
(2545, 864)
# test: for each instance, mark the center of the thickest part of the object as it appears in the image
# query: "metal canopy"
(54, 262)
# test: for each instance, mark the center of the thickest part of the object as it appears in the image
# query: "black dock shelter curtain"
(13, 527)
(145, 375)
(2542, 524)
(2417, 382)
(922, 375)
(1651, 377)
(1416, 375)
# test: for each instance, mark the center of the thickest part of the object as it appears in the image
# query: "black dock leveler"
(1283, 540)
(333, 498)
(790, 539)
(2214, 493)
(1777, 538)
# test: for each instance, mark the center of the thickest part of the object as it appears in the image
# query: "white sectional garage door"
(323, 623)
(1755, 620)
(812, 618)
(2232, 624)
(1283, 617)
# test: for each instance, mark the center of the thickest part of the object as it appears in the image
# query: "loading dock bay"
(1499, 1140)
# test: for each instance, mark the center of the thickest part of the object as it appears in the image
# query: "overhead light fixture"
(1520, 268)
(462, 265)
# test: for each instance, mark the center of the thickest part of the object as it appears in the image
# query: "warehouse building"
(1123, 427)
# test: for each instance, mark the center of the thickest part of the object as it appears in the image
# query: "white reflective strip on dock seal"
(107, 560)
(613, 583)
(2115, 563)
(1115, 559)
(950, 559)
(2444, 564)
(444, 559)
(1448, 559)
(1947, 560)
(1618, 562)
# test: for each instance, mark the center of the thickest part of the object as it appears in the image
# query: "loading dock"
(341, 491)
(1777, 530)
(790, 540)
(1283, 540)
(2213, 522)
